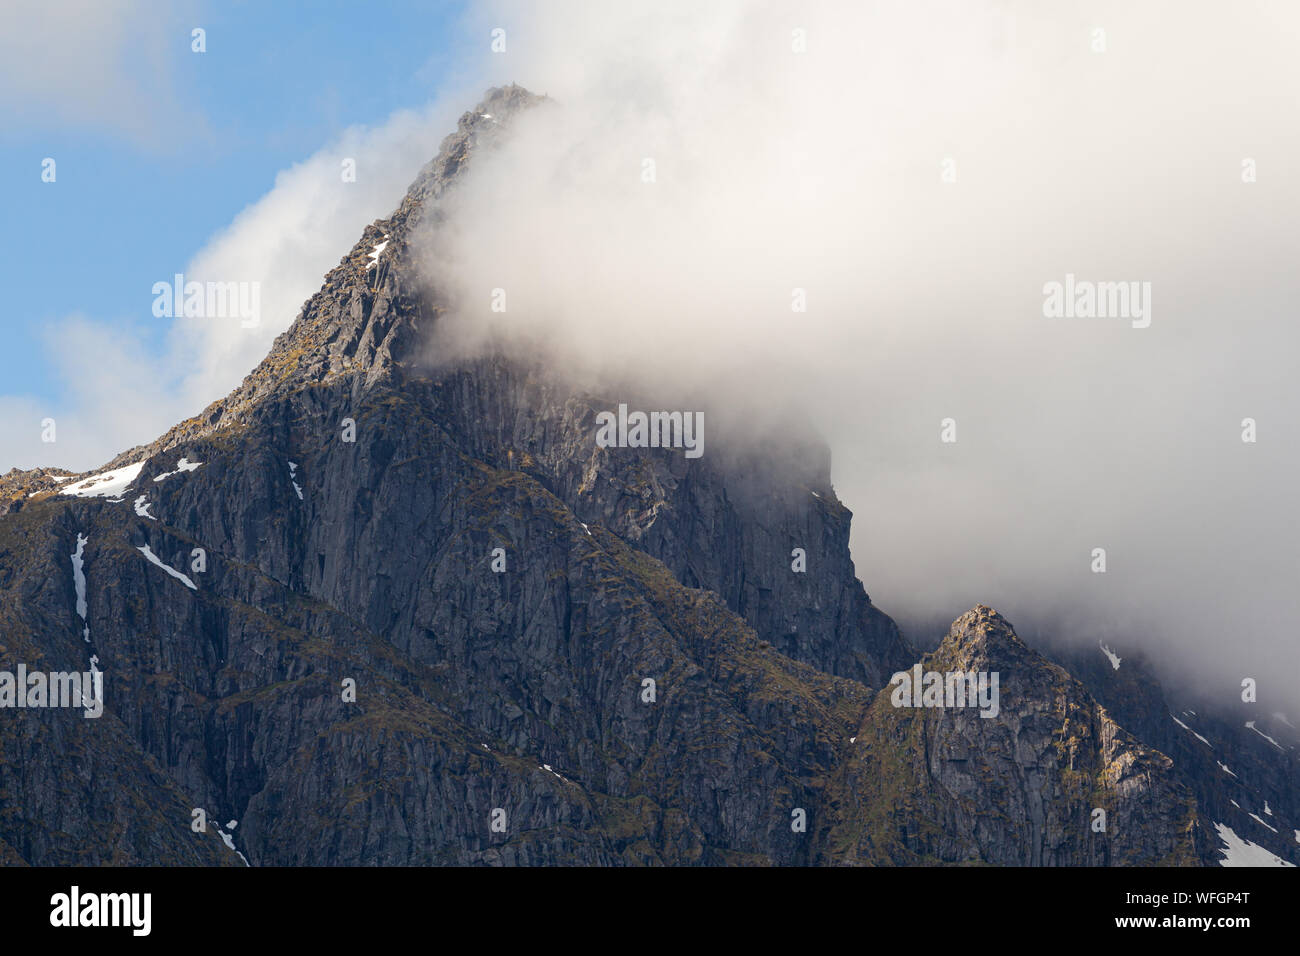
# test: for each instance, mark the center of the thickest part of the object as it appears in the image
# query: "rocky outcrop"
(1048, 778)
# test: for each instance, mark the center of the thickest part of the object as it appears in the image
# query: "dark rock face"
(1245, 777)
(414, 615)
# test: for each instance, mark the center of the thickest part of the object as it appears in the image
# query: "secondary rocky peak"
(985, 634)
(982, 619)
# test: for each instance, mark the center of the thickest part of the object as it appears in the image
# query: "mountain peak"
(983, 632)
(373, 308)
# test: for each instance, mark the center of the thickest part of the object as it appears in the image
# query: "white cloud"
(113, 397)
(103, 64)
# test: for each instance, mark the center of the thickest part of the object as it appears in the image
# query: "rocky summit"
(372, 609)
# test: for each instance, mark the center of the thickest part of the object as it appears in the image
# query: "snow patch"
(374, 253)
(293, 468)
(106, 484)
(1239, 852)
(1251, 725)
(1111, 656)
(153, 559)
(142, 508)
(1224, 768)
(183, 465)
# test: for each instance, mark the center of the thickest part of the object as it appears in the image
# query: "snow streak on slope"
(183, 465)
(79, 581)
(1193, 733)
(1239, 852)
(1250, 724)
(107, 484)
(154, 559)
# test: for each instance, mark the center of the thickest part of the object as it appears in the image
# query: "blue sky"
(132, 205)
